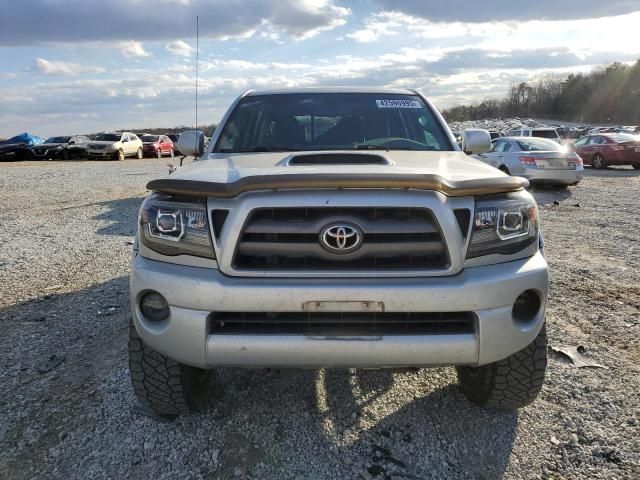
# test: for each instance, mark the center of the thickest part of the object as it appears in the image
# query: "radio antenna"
(197, 63)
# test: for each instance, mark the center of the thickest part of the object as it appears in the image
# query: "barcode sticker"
(398, 104)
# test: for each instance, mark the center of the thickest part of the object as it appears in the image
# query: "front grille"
(289, 239)
(342, 324)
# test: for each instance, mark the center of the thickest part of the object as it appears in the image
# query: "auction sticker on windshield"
(398, 104)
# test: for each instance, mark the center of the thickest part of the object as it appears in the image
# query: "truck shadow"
(373, 421)
(119, 217)
(330, 423)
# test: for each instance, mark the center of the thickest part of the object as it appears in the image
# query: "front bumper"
(193, 293)
(100, 154)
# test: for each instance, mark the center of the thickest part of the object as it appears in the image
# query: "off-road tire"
(510, 383)
(139, 154)
(164, 386)
(598, 161)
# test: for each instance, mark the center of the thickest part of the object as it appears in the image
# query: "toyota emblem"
(341, 238)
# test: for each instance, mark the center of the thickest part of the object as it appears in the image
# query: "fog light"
(526, 306)
(154, 306)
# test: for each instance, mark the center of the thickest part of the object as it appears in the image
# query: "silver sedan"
(537, 159)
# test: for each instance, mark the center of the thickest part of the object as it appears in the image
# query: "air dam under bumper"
(193, 293)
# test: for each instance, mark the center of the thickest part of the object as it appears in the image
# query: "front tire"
(510, 383)
(164, 386)
(598, 161)
(159, 154)
(120, 155)
(139, 154)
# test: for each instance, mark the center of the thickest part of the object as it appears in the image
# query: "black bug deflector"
(303, 181)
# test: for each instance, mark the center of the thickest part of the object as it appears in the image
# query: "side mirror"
(476, 140)
(72, 142)
(191, 143)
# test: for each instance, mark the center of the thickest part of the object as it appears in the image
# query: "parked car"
(174, 137)
(336, 228)
(540, 132)
(114, 146)
(539, 160)
(156, 146)
(17, 148)
(65, 148)
(606, 149)
(569, 132)
(12, 152)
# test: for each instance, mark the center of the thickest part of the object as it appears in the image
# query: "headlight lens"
(174, 226)
(503, 225)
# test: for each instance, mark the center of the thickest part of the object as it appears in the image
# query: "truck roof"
(380, 90)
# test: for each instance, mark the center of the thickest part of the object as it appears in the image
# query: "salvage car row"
(105, 146)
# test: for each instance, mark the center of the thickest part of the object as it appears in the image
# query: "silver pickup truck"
(337, 228)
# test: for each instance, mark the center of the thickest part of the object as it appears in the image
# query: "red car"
(606, 149)
(156, 146)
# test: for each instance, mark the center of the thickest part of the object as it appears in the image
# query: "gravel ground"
(65, 236)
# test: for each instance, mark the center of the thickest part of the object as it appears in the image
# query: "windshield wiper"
(366, 146)
(259, 148)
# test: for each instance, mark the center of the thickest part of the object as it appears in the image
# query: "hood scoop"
(313, 159)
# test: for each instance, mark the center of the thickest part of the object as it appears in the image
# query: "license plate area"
(552, 163)
(347, 306)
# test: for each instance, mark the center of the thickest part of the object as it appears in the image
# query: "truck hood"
(227, 175)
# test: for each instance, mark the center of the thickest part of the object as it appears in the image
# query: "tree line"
(606, 94)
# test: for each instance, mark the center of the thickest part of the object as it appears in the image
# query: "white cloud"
(52, 67)
(518, 10)
(7, 75)
(133, 49)
(379, 25)
(179, 47)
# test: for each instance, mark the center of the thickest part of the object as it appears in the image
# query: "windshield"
(545, 133)
(330, 121)
(539, 145)
(109, 137)
(150, 138)
(57, 140)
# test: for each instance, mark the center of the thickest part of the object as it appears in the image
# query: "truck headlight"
(175, 226)
(503, 224)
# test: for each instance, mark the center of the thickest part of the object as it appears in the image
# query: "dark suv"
(65, 148)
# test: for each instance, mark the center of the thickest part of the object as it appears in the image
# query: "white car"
(540, 132)
(115, 146)
(537, 159)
